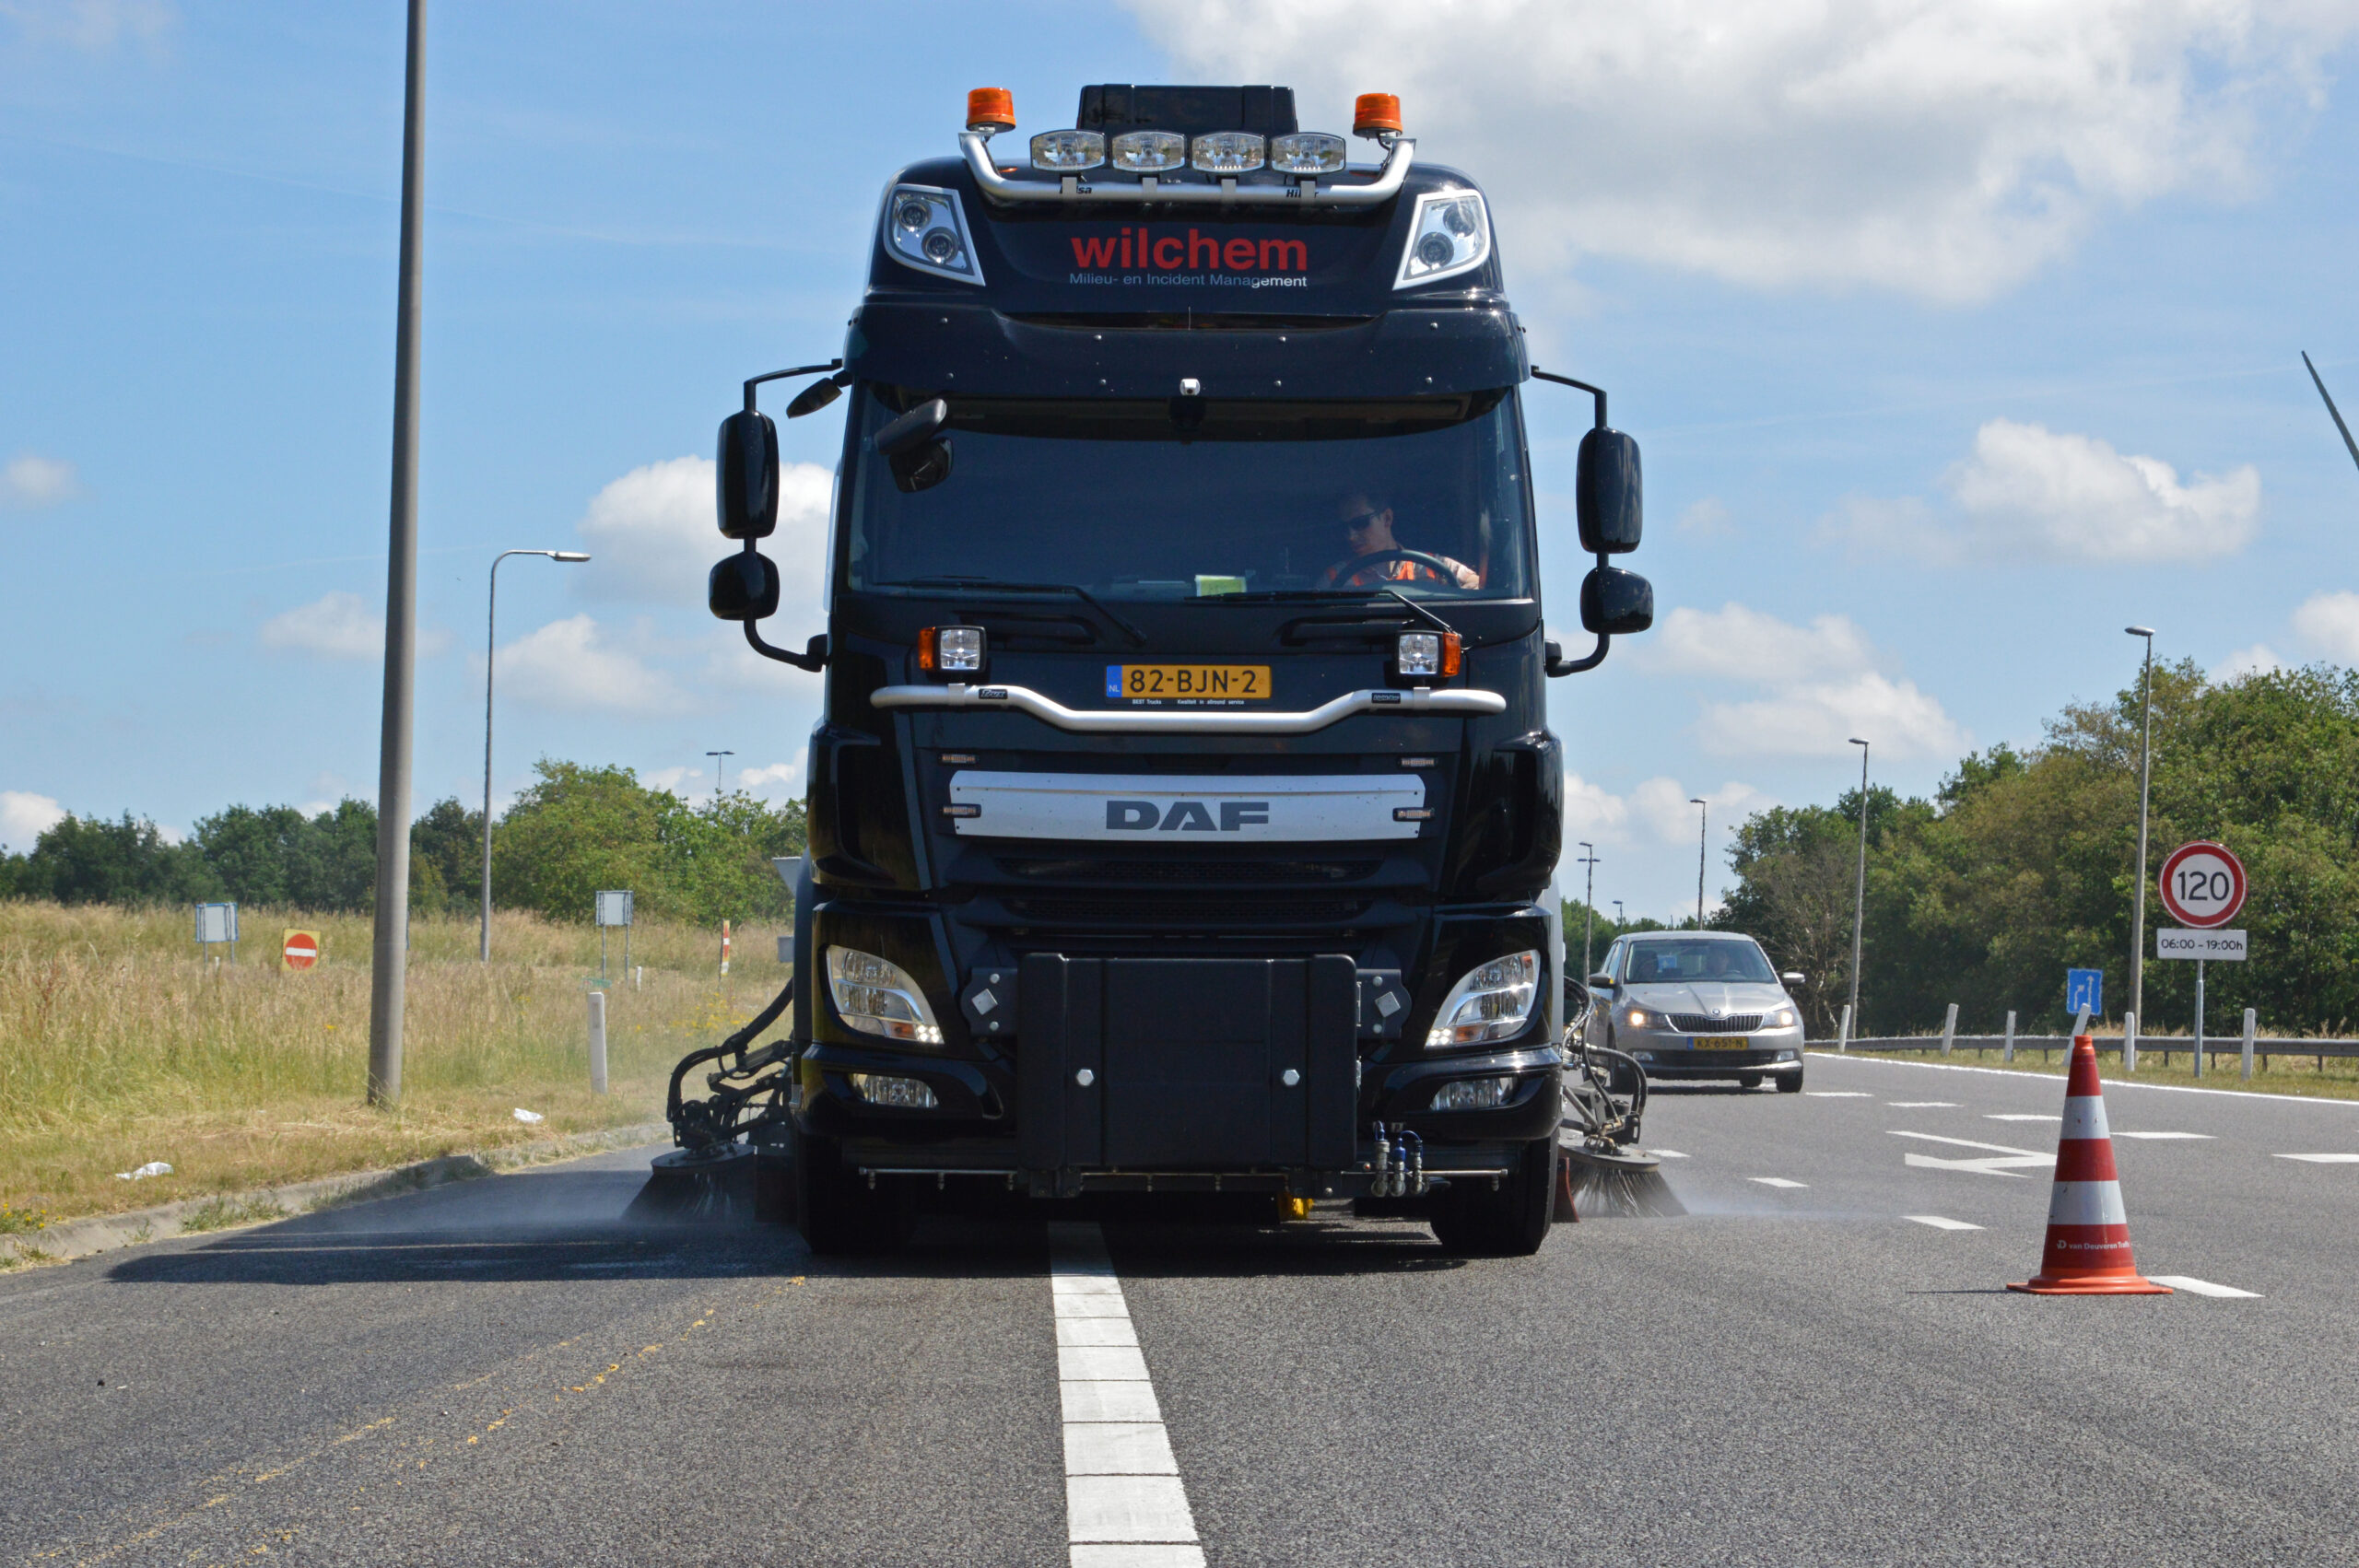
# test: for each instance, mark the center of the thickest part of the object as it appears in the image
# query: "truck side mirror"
(912, 429)
(1606, 489)
(816, 396)
(747, 475)
(1616, 603)
(743, 587)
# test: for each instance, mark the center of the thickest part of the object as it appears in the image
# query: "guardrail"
(2213, 1050)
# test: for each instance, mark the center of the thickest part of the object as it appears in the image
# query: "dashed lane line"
(2324, 1159)
(1922, 1105)
(2157, 1136)
(2020, 1115)
(1776, 1181)
(1838, 1093)
(2201, 1287)
(1125, 1505)
(1940, 1222)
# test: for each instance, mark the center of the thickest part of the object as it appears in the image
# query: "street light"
(1588, 907)
(721, 788)
(2145, 774)
(1703, 818)
(491, 648)
(1617, 916)
(1858, 895)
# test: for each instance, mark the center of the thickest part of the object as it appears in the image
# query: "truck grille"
(1697, 1024)
(1193, 873)
(1166, 912)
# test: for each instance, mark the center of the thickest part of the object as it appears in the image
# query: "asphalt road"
(501, 1372)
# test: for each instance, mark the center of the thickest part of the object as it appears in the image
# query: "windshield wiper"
(964, 584)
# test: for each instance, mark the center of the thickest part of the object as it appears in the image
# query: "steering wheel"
(1435, 564)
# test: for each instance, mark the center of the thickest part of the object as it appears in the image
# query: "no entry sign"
(2203, 885)
(300, 950)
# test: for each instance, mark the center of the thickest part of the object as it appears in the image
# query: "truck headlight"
(1491, 1001)
(926, 229)
(876, 996)
(1451, 235)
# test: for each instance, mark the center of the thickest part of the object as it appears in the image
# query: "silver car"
(1699, 1004)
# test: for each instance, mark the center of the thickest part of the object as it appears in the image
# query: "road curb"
(224, 1211)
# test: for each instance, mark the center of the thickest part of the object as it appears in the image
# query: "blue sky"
(1956, 338)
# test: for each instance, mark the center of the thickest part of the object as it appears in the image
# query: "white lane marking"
(2110, 1082)
(2153, 1135)
(2324, 1159)
(2201, 1287)
(1838, 1093)
(2019, 1116)
(1776, 1181)
(1963, 1142)
(2001, 1162)
(1126, 1505)
(1922, 1105)
(1665, 1154)
(1940, 1222)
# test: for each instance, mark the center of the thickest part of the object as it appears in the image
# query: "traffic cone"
(2088, 1233)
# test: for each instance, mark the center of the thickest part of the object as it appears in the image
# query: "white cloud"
(25, 816)
(2074, 497)
(31, 480)
(1818, 685)
(93, 26)
(1656, 811)
(674, 781)
(1944, 151)
(1707, 519)
(2260, 659)
(2328, 623)
(341, 626)
(651, 533)
(777, 778)
(1900, 525)
(573, 665)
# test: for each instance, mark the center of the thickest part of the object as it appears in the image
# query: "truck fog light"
(1306, 152)
(876, 996)
(941, 247)
(1642, 1056)
(1068, 151)
(912, 213)
(895, 1094)
(951, 649)
(1227, 152)
(1149, 152)
(1474, 1095)
(1491, 1001)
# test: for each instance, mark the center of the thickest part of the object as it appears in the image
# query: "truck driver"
(1367, 532)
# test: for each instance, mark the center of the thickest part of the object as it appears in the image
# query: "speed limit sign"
(2203, 885)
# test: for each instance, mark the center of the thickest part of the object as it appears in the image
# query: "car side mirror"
(1793, 977)
(1606, 489)
(1616, 603)
(746, 476)
(1601, 982)
(743, 587)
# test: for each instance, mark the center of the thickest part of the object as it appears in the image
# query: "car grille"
(1697, 1024)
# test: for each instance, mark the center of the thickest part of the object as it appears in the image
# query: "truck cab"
(1184, 809)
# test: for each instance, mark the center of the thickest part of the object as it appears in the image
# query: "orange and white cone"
(2088, 1231)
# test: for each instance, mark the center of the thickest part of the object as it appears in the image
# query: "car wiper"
(987, 584)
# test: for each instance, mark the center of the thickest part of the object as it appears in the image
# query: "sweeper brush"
(735, 1154)
(1603, 1172)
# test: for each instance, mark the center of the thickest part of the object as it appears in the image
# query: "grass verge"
(2281, 1072)
(119, 1046)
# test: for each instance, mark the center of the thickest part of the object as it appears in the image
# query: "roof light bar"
(1068, 152)
(1150, 152)
(1143, 157)
(1228, 152)
(1306, 152)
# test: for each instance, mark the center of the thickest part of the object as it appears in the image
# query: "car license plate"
(1722, 1043)
(1188, 683)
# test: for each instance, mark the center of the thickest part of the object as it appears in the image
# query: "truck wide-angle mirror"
(914, 429)
(746, 463)
(1606, 488)
(743, 587)
(1616, 603)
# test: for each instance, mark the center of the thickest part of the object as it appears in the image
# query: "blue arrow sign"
(2084, 988)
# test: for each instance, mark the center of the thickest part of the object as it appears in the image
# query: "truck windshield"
(1201, 498)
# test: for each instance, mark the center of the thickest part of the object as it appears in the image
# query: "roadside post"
(2249, 1021)
(1949, 1030)
(2202, 886)
(216, 923)
(1843, 1034)
(724, 947)
(597, 1042)
(2129, 1042)
(2008, 1054)
(613, 909)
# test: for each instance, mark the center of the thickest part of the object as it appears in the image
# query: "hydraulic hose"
(735, 1044)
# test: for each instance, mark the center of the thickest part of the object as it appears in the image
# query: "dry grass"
(2281, 1072)
(118, 1045)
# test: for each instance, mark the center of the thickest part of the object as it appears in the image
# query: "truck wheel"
(1477, 1222)
(837, 1212)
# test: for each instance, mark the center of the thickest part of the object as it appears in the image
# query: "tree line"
(575, 830)
(2024, 864)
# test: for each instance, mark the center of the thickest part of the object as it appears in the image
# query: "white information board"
(614, 907)
(2212, 947)
(217, 922)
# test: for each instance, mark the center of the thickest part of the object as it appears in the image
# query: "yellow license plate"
(1188, 683)
(1722, 1043)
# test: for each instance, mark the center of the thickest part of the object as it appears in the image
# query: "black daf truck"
(1184, 809)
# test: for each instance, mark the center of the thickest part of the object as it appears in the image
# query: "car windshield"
(1200, 498)
(1675, 962)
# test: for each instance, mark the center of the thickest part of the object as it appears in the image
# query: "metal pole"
(1703, 829)
(1843, 1032)
(2128, 1042)
(2250, 1020)
(490, 648)
(1589, 910)
(721, 770)
(597, 1042)
(2008, 1055)
(2145, 776)
(389, 971)
(1949, 1028)
(1859, 894)
(2199, 1018)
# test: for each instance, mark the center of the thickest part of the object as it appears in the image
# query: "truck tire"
(837, 1212)
(1475, 1221)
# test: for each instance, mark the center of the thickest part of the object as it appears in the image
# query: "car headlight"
(1491, 1001)
(876, 996)
(1635, 1018)
(1782, 1018)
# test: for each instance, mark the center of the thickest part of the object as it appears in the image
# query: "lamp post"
(1859, 889)
(722, 769)
(2145, 775)
(1703, 820)
(491, 650)
(1588, 907)
(1618, 920)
